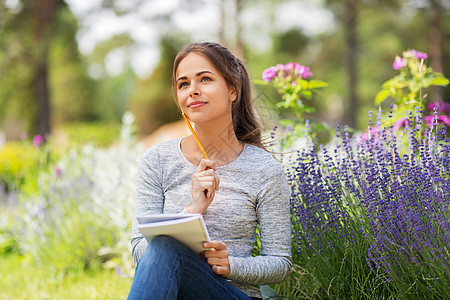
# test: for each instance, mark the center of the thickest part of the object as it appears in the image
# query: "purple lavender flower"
(374, 192)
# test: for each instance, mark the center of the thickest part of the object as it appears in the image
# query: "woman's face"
(202, 92)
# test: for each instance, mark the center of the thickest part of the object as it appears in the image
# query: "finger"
(217, 245)
(209, 187)
(222, 254)
(217, 181)
(217, 261)
(220, 270)
(206, 173)
(206, 164)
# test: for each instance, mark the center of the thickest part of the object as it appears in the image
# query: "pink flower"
(37, 140)
(269, 74)
(373, 131)
(58, 172)
(440, 119)
(441, 106)
(304, 72)
(298, 69)
(419, 55)
(292, 66)
(400, 123)
(398, 63)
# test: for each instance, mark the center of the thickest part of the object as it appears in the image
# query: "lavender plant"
(370, 217)
(81, 216)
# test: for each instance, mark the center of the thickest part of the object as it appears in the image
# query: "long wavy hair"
(245, 122)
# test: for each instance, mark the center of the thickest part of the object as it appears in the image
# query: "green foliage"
(152, 100)
(71, 89)
(112, 93)
(21, 55)
(20, 164)
(290, 44)
(79, 219)
(406, 88)
(20, 278)
(74, 240)
(8, 242)
(300, 284)
(99, 134)
(296, 94)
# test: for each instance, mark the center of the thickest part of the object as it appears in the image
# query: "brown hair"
(245, 123)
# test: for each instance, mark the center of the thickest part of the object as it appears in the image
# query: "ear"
(233, 94)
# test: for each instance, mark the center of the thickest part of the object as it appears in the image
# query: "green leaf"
(286, 122)
(260, 81)
(381, 96)
(309, 109)
(304, 84)
(313, 84)
(307, 94)
(297, 89)
(441, 81)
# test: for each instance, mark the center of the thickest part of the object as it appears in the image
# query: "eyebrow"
(198, 74)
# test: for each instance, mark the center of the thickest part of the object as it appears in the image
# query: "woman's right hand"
(205, 183)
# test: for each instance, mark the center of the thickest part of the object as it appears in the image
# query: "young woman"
(239, 186)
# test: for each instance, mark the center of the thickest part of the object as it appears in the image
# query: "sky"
(201, 21)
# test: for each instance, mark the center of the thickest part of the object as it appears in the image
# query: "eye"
(205, 78)
(182, 84)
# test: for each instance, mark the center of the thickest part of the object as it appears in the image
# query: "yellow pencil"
(195, 135)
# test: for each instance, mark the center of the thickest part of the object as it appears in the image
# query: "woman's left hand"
(216, 256)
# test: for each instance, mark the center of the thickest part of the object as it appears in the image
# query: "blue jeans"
(170, 270)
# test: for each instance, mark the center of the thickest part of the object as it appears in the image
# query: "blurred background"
(76, 66)
(85, 87)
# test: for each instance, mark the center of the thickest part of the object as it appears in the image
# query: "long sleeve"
(253, 191)
(149, 197)
(273, 264)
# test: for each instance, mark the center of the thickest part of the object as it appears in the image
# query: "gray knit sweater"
(253, 190)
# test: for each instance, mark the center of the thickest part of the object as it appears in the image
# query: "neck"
(219, 141)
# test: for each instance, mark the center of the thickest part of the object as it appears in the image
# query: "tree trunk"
(239, 47)
(221, 32)
(43, 14)
(350, 23)
(436, 46)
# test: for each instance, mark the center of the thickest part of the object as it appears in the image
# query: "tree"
(41, 67)
(152, 100)
(42, 19)
(436, 44)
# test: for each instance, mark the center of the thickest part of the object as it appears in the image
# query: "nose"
(194, 90)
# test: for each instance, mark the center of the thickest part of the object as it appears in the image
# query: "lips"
(196, 104)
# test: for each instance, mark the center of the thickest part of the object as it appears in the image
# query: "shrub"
(371, 217)
(21, 162)
(81, 217)
(95, 133)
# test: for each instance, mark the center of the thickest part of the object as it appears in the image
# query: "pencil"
(195, 135)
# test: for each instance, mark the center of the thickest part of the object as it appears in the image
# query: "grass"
(21, 279)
